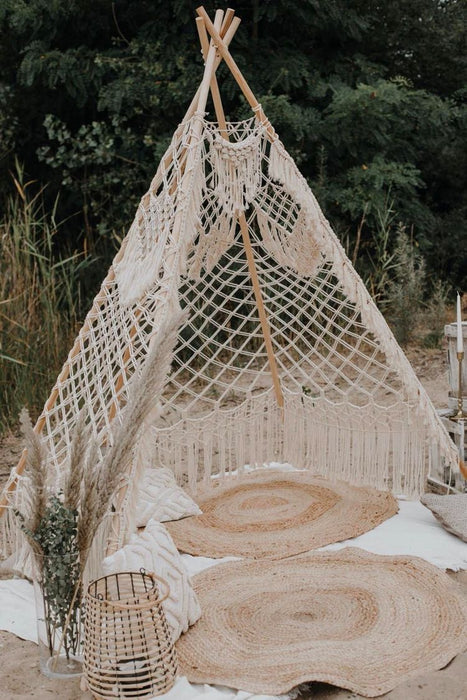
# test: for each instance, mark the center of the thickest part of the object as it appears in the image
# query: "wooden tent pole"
(228, 30)
(215, 93)
(219, 109)
(261, 310)
(232, 27)
(236, 72)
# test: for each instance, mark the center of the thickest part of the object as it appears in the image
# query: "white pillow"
(161, 499)
(154, 551)
(451, 511)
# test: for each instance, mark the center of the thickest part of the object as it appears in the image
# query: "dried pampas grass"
(36, 470)
(102, 480)
(79, 448)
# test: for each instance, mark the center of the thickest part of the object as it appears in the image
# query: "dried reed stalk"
(101, 481)
(36, 469)
(77, 462)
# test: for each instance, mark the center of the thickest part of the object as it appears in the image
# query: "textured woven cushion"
(161, 499)
(155, 551)
(451, 511)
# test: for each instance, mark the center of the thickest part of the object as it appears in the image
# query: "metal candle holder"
(459, 415)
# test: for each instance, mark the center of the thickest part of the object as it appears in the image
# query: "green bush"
(405, 290)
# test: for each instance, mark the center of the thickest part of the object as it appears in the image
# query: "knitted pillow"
(154, 551)
(451, 511)
(161, 499)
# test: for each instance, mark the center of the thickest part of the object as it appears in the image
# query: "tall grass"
(39, 303)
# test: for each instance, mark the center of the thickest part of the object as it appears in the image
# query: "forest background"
(368, 97)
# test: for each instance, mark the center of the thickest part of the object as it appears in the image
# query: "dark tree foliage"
(369, 97)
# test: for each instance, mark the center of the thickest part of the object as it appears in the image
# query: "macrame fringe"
(237, 171)
(294, 249)
(13, 542)
(140, 267)
(214, 238)
(372, 446)
(188, 205)
(222, 442)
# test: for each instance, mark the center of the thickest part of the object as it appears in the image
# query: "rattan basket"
(128, 647)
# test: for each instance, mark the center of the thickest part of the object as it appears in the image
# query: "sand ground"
(21, 679)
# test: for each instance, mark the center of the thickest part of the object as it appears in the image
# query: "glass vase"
(58, 596)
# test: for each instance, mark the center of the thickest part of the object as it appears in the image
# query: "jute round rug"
(273, 514)
(358, 620)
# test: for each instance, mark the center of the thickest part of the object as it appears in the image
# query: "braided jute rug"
(357, 620)
(273, 514)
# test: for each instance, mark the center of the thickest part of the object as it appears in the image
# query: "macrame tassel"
(147, 440)
(236, 171)
(188, 207)
(139, 267)
(282, 169)
(16, 550)
(214, 238)
(16, 546)
(296, 249)
(310, 222)
(364, 446)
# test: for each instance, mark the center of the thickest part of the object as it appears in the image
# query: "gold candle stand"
(459, 415)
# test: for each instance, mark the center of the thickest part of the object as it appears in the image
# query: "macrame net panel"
(353, 408)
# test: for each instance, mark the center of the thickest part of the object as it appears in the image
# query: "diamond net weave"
(352, 406)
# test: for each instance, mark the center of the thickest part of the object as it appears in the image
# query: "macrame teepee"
(283, 355)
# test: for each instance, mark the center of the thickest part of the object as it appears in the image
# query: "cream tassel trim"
(237, 171)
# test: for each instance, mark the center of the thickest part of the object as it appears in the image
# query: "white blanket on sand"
(413, 531)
